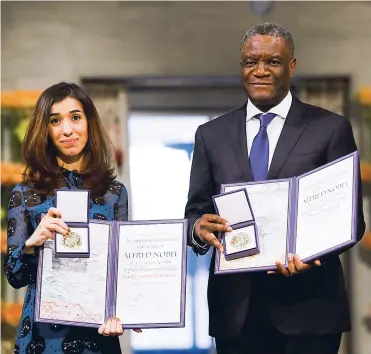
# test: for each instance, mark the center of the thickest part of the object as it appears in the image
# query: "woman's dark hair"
(40, 154)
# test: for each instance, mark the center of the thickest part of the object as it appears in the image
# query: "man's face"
(266, 68)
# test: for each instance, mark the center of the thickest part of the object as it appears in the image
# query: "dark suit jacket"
(314, 302)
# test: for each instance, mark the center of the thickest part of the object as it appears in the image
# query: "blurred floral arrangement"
(11, 173)
(364, 101)
(16, 107)
(10, 313)
(364, 98)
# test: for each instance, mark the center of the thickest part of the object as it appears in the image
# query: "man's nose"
(261, 69)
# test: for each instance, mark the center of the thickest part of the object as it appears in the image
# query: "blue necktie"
(259, 154)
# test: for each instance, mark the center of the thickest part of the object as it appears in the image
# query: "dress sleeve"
(20, 268)
(122, 206)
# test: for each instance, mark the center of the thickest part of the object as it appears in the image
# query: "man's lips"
(261, 83)
(69, 141)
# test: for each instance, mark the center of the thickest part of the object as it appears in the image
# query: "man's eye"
(249, 63)
(274, 62)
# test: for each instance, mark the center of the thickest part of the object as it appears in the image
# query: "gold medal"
(240, 240)
(72, 240)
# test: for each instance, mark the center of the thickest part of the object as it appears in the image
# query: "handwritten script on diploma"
(149, 273)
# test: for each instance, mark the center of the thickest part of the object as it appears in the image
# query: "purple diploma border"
(353, 239)
(38, 318)
(292, 217)
(111, 278)
(181, 322)
(111, 271)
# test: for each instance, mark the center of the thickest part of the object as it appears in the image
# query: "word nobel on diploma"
(311, 215)
(135, 271)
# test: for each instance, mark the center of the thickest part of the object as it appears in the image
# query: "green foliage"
(14, 123)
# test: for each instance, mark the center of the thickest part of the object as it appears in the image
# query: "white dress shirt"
(274, 130)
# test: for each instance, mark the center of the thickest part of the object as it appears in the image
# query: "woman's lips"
(69, 141)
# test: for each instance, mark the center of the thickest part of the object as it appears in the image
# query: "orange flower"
(19, 98)
(11, 173)
(366, 240)
(366, 171)
(11, 313)
(3, 242)
(364, 96)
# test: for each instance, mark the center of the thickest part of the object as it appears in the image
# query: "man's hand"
(294, 266)
(208, 224)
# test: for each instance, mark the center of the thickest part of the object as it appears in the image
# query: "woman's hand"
(46, 229)
(113, 327)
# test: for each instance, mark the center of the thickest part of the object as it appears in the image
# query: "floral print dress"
(24, 214)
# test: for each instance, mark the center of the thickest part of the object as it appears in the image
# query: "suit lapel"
(238, 140)
(293, 128)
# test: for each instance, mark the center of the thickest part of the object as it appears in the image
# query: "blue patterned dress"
(24, 214)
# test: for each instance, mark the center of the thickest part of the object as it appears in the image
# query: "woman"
(65, 147)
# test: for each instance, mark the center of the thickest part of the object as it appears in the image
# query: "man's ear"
(292, 66)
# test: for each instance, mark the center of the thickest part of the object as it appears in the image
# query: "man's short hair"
(270, 29)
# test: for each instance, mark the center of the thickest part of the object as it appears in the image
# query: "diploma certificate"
(311, 215)
(136, 271)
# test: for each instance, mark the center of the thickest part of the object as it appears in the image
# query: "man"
(260, 313)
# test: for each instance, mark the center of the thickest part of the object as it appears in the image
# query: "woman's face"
(68, 128)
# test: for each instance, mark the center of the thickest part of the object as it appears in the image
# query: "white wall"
(45, 42)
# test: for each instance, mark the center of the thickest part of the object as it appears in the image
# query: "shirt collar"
(282, 109)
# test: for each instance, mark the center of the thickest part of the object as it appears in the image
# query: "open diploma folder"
(136, 271)
(311, 215)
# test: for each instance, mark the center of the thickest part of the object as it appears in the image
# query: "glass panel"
(160, 155)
